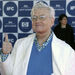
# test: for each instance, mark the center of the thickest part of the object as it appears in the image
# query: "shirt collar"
(44, 44)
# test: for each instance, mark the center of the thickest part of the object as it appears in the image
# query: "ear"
(52, 21)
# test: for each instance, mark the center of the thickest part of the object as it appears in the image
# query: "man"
(41, 53)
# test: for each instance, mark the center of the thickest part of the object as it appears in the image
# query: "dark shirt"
(65, 34)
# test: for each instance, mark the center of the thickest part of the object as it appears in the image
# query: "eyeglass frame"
(41, 17)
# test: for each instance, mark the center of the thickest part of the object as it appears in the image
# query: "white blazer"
(63, 57)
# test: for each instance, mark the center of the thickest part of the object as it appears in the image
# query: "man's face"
(41, 21)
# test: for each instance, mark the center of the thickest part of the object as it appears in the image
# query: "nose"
(37, 20)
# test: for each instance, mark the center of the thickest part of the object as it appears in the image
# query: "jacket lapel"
(23, 56)
(58, 67)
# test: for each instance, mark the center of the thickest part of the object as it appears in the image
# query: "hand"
(7, 46)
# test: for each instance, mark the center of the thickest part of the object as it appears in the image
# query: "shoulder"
(25, 39)
(62, 48)
(61, 45)
(23, 43)
(57, 27)
(69, 26)
(62, 52)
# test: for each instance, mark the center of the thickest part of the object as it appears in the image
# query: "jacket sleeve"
(71, 64)
(8, 65)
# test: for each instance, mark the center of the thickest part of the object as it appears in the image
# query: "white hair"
(43, 5)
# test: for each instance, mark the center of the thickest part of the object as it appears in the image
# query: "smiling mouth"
(38, 25)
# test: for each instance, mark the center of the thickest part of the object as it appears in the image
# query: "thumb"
(6, 37)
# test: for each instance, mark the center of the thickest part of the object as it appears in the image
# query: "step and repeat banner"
(15, 17)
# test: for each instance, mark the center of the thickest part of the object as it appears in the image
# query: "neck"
(63, 26)
(42, 37)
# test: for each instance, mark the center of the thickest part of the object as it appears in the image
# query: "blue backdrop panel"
(15, 17)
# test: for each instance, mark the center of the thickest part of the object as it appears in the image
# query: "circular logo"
(10, 8)
(71, 8)
(0, 24)
(1, 8)
(25, 24)
(12, 38)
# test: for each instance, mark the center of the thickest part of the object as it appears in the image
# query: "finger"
(6, 37)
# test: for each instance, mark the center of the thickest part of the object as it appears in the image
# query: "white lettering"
(25, 24)
(72, 7)
(10, 8)
(11, 40)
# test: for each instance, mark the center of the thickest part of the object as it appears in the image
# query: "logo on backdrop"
(10, 24)
(71, 21)
(0, 24)
(59, 6)
(71, 8)
(10, 8)
(12, 38)
(1, 8)
(25, 8)
(25, 24)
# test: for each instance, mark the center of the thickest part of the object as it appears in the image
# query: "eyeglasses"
(34, 18)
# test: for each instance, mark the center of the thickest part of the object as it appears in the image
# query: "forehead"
(41, 11)
(64, 18)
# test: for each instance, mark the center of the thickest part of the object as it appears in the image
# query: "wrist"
(5, 51)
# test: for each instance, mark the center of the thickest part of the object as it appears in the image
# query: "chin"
(40, 32)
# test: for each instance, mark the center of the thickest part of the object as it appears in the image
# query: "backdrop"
(15, 16)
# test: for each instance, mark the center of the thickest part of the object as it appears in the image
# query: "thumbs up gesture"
(7, 46)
